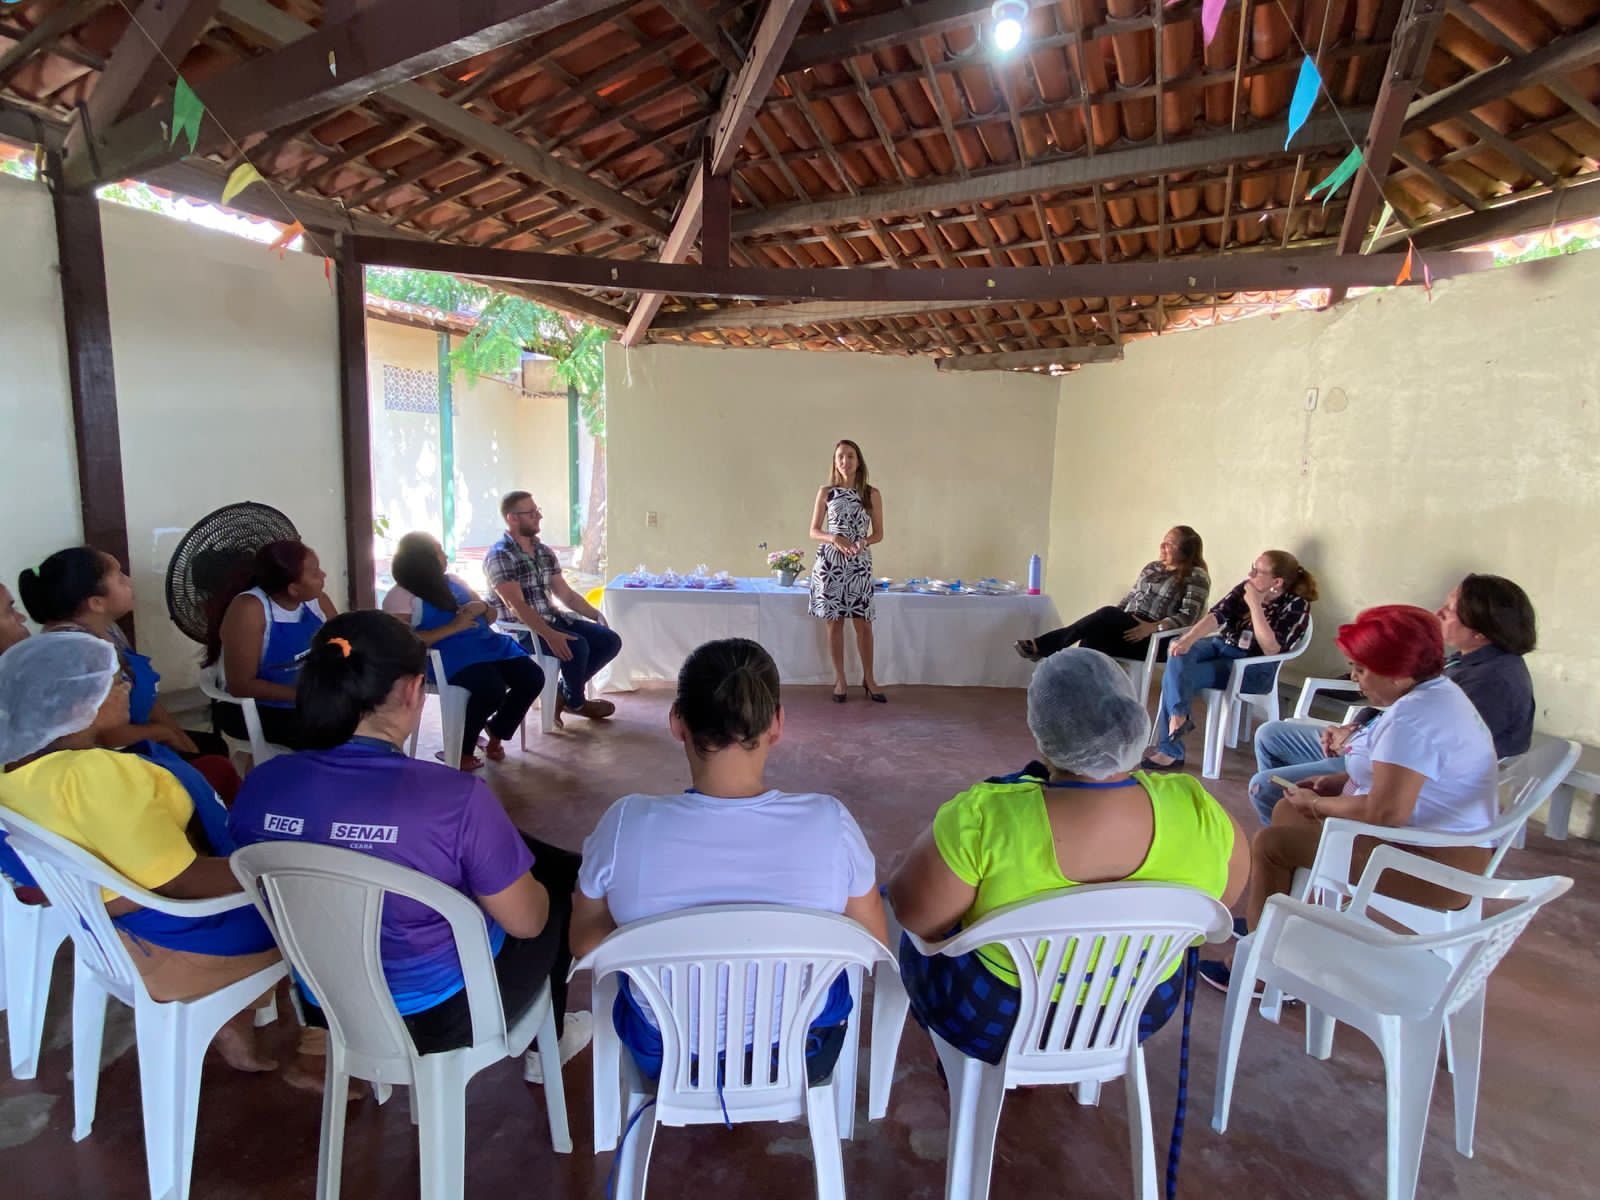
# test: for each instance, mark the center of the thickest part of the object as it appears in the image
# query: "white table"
(960, 640)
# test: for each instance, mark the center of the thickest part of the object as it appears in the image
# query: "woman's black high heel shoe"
(875, 697)
(840, 697)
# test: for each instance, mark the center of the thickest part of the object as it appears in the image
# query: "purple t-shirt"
(368, 796)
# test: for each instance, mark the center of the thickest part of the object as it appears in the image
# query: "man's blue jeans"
(1208, 664)
(592, 645)
(1293, 750)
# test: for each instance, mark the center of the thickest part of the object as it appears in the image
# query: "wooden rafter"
(385, 43)
(1575, 201)
(1081, 171)
(1060, 356)
(51, 26)
(740, 103)
(1242, 272)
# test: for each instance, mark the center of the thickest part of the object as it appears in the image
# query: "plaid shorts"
(972, 1008)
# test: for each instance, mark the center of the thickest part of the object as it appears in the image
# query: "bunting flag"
(1427, 281)
(333, 64)
(327, 272)
(287, 236)
(243, 176)
(1210, 18)
(1341, 175)
(1305, 98)
(187, 113)
(1405, 267)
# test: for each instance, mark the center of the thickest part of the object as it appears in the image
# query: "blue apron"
(139, 671)
(475, 644)
(287, 644)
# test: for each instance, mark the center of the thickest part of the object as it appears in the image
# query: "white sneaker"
(577, 1033)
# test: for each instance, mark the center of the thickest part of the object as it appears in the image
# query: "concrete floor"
(1300, 1128)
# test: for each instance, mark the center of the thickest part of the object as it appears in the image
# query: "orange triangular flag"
(1405, 267)
(287, 236)
(327, 272)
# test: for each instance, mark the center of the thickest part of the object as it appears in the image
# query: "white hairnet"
(1084, 715)
(51, 686)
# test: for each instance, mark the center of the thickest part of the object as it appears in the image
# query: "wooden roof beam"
(1560, 57)
(1413, 42)
(382, 44)
(1061, 356)
(740, 103)
(1080, 171)
(1230, 273)
(1575, 201)
(51, 26)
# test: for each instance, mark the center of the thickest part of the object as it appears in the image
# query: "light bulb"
(1008, 17)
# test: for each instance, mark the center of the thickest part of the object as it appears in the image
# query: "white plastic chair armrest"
(1166, 635)
(1319, 683)
(1280, 910)
(1392, 858)
(1331, 869)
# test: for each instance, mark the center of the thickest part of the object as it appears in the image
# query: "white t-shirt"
(1435, 731)
(657, 854)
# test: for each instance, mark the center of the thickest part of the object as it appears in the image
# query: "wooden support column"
(716, 221)
(357, 429)
(86, 314)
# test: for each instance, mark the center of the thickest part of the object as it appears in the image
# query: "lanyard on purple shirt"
(362, 741)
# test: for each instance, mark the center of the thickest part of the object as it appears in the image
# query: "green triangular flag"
(1341, 173)
(187, 113)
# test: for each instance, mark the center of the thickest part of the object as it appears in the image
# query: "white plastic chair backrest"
(697, 969)
(1475, 949)
(1091, 940)
(214, 684)
(71, 879)
(324, 906)
(1526, 782)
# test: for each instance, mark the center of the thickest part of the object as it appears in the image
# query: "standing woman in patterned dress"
(847, 519)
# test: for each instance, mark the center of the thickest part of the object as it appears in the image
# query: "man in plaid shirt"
(526, 579)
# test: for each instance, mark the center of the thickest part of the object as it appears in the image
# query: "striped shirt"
(1158, 595)
(1287, 615)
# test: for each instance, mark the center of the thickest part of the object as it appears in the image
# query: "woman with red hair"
(1428, 762)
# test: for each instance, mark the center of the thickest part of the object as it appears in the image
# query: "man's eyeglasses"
(522, 512)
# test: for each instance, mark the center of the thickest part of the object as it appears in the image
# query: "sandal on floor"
(494, 751)
(875, 697)
(1148, 764)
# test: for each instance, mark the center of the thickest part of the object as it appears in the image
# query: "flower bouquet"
(786, 564)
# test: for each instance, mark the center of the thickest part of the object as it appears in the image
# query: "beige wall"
(1469, 440)
(728, 448)
(37, 461)
(503, 440)
(227, 390)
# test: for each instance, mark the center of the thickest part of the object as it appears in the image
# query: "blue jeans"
(1208, 664)
(592, 645)
(1292, 749)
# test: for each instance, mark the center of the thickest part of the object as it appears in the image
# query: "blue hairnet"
(1084, 716)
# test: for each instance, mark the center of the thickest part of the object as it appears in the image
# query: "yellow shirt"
(997, 838)
(122, 809)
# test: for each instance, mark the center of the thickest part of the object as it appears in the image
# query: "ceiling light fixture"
(1008, 17)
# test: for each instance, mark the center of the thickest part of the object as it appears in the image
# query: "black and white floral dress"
(841, 585)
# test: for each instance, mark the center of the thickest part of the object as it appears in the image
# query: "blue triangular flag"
(1305, 97)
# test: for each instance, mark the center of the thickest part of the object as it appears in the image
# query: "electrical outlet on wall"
(650, 518)
(1311, 399)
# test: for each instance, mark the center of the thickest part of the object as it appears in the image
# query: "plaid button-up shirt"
(507, 560)
(1158, 596)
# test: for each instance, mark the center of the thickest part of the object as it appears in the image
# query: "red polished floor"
(1300, 1128)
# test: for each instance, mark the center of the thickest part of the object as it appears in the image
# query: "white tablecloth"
(952, 640)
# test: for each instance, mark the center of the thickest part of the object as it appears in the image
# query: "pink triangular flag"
(1427, 281)
(1210, 18)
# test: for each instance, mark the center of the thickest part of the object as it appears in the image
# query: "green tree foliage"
(506, 327)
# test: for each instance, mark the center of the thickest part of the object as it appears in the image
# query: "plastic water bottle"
(1034, 567)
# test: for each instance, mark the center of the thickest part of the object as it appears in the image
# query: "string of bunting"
(189, 114)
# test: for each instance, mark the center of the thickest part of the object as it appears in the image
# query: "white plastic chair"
(1321, 683)
(696, 970)
(1225, 707)
(1059, 934)
(1558, 820)
(30, 935)
(1525, 783)
(325, 907)
(1401, 990)
(453, 700)
(1142, 671)
(213, 686)
(550, 665)
(172, 1037)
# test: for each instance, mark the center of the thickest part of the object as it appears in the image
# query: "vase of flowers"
(786, 564)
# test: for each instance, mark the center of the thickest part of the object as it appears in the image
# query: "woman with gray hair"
(1081, 816)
